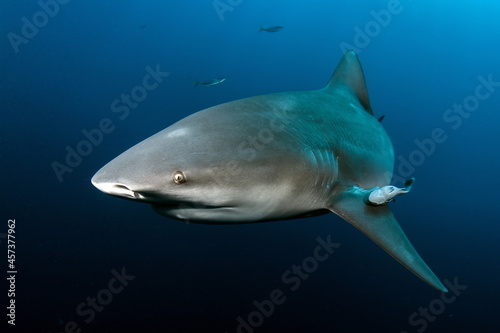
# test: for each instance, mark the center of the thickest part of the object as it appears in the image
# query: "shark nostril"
(116, 189)
(119, 190)
(125, 190)
(123, 187)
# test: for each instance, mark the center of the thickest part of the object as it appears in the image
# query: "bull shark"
(274, 157)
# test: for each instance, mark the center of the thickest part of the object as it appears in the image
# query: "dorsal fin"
(349, 73)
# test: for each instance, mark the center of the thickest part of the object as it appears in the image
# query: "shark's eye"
(179, 177)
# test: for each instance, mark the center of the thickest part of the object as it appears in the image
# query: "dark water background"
(418, 63)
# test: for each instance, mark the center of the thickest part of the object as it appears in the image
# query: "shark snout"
(111, 187)
(132, 190)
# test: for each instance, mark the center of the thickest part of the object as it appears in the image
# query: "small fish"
(142, 26)
(272, 29)
(212, 82)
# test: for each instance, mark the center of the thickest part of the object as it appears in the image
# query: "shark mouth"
(118, 190)
(185, 205)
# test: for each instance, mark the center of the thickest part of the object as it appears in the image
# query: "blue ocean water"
(87, 262)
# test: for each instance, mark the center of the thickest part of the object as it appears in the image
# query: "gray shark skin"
(274, 157)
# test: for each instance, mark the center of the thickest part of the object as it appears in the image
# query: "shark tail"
(380, 225)
(196, 83)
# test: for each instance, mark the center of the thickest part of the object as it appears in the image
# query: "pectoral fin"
(378, 223)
